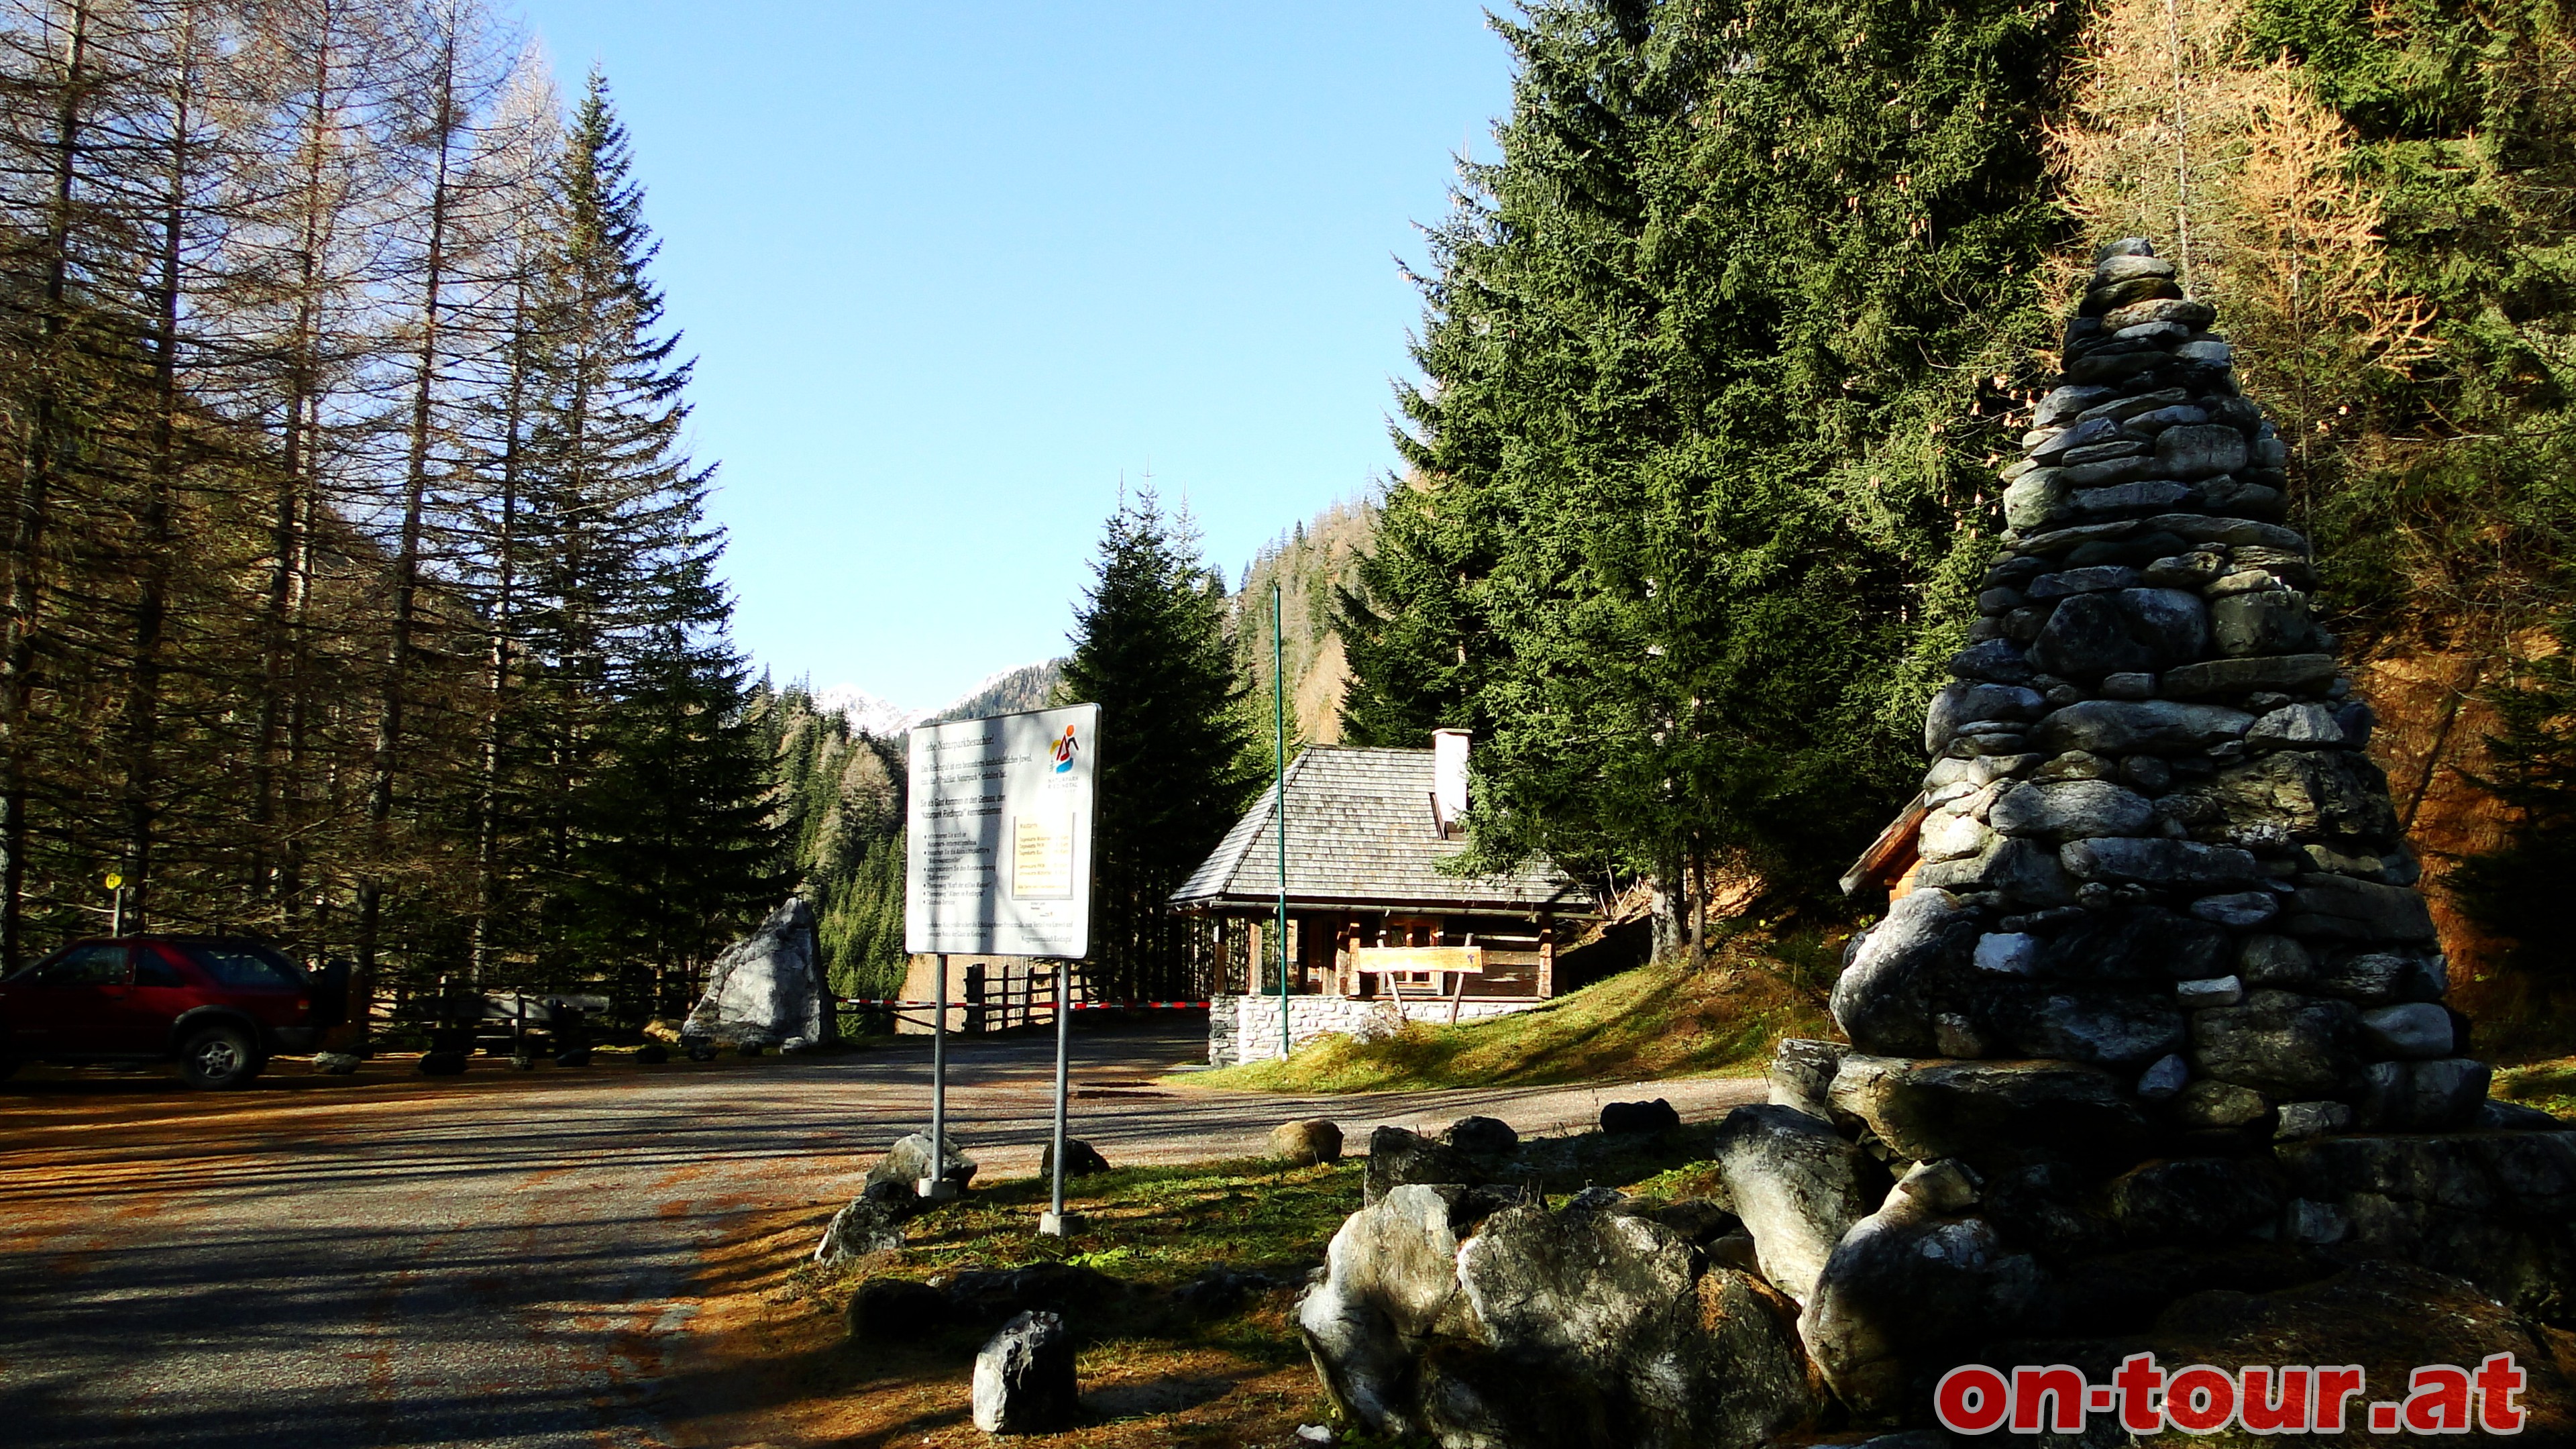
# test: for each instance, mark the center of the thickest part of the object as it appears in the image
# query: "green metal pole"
(1279, 806)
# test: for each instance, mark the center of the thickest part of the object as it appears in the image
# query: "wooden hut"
(1371, 912)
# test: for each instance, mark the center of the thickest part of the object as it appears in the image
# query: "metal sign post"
(1279, 805)
(1054, 1222)
(936, 1186)
(998, 863)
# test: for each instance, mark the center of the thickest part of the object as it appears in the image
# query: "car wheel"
(218, 1057)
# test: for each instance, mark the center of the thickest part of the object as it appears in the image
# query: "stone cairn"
(2150, 1052)
(2153, 842)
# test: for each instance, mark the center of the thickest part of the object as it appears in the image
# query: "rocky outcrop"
(767, 989)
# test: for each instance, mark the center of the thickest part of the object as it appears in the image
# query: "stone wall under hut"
(2149, 1054)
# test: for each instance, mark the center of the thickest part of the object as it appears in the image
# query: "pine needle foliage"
(1718, 353)
(1150, 647)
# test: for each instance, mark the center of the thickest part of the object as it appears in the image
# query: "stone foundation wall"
(1246, 1028)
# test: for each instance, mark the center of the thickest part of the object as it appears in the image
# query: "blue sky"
(950, 270)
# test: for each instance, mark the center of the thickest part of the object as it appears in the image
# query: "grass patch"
(1659, 1020)
(2548, 1085)
(1155, 1369)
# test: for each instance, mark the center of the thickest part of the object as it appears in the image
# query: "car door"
(162, 991)
(73, 1004)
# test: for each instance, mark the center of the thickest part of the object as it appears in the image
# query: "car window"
(86, 966)
(151, 968)
(238, 965)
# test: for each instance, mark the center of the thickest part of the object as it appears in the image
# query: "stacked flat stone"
(2154, 844)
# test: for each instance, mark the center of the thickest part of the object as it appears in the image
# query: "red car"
(219, 1006)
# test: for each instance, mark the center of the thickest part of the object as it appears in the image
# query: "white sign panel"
(999, 857)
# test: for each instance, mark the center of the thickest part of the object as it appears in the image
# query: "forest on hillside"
(358, 590)
(1721, 353)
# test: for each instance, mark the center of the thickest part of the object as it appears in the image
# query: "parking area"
(511, 1258)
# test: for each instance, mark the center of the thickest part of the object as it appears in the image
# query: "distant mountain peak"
(1007, 691)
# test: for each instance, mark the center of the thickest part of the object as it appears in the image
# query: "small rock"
(2165, 1080)
(1397, 1158)
(442, 1064)
(2334, 907)
(2010, 953)
(2275, 961)
(336, 1064)
(1946, 1186)
(2303, 1121)
(2220, 1104)
(2158, 862)
(867, 1225)
(2317, 1223)
(2240, 910)
(1314, 1434)
(2190, 453)
(2416, 1031)
(2498, 1116)
(2278, 1043)
(907, 1163)
(2213, 991)
(1024, 1380)
(2128, 684)
(1621, 1119)
(1802, 1074)
(895, 1310)
(2295, 726)
(2435, 1096)
(1081, 1159)
(577, 1057)
(2071, 810)
(2192, 1200)
(1306, 1143)
(1483, 1136)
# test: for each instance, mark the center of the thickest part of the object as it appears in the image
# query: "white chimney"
(1449, 780)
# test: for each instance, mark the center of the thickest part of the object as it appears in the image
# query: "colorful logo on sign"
(1064, 752)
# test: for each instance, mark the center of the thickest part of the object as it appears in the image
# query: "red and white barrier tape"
(1032, 1005)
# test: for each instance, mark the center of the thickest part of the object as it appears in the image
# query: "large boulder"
(1914, 1278)
(2497, 1209)
(768, 987)
(1390, 1274)
(1604, 1328)
(1024, 1381)
(1906, 969)
(1797, 1186)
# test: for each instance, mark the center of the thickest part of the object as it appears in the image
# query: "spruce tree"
(657, 831)
(1716, 353)
(1150, 648)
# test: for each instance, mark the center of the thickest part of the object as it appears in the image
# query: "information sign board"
(998, 860)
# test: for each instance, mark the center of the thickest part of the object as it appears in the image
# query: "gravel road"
(509, 1259)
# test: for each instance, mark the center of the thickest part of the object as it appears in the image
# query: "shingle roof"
(1360, 833)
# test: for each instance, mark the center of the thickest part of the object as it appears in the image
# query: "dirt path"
(509, 1259)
